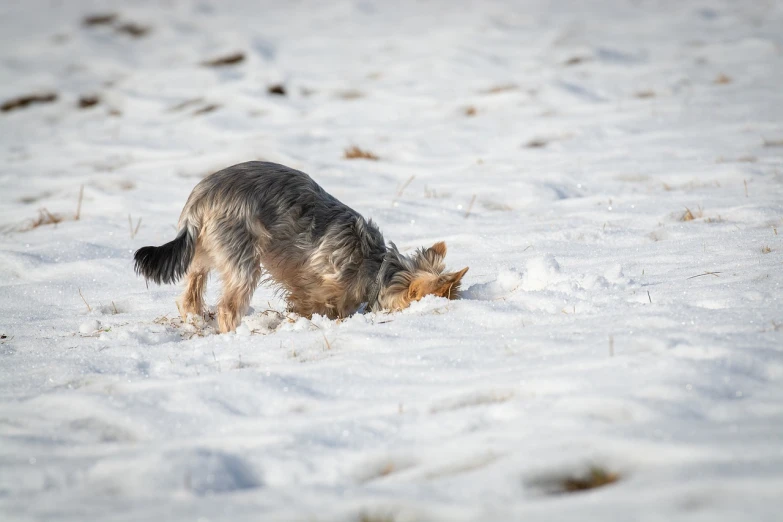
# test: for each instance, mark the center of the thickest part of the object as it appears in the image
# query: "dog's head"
(423, 273)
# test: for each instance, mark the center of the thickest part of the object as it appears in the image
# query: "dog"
(260, 221)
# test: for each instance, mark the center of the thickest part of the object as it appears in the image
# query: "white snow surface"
(598, 329)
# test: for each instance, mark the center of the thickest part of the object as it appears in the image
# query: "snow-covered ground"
(559, 148)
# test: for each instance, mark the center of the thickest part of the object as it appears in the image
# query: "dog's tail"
(168, 263)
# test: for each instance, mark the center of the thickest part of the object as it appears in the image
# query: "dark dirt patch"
(21, 102)
(99, 19)
(133, 29)
(576, 60)
(207, 109)
(88, 100)
(594, 477)
(277, 89)
(537, 143)
(222, 61)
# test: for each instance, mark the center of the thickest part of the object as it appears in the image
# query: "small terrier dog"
(260, 219)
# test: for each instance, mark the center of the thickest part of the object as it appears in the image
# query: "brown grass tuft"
(470, 111)
(44, 218)
(596, 477)
(277, 89)
(722, 79)
(645, 94)
(766, 249)
(690, 215)
(354, 152)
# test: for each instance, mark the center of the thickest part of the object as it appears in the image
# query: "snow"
(555, 147)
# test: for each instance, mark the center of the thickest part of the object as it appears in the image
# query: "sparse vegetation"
(354, 152)
(766, 249)
(689, 215)
(44, 218)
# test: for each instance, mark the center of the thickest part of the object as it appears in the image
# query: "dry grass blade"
(715, 274)
(766, 249)
(89, 308)
(354, 152)
(79, 204)
(773, 143)
(133, 231)
(470, 206)
(405, 185)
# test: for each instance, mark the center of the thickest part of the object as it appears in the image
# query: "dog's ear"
(457, 276)
(449, 283)
(439, 248)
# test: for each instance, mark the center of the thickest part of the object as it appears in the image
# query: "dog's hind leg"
(236, 256)
(239, 283)
(192, 300)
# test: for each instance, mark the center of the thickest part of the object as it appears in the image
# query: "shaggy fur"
(259, 220)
